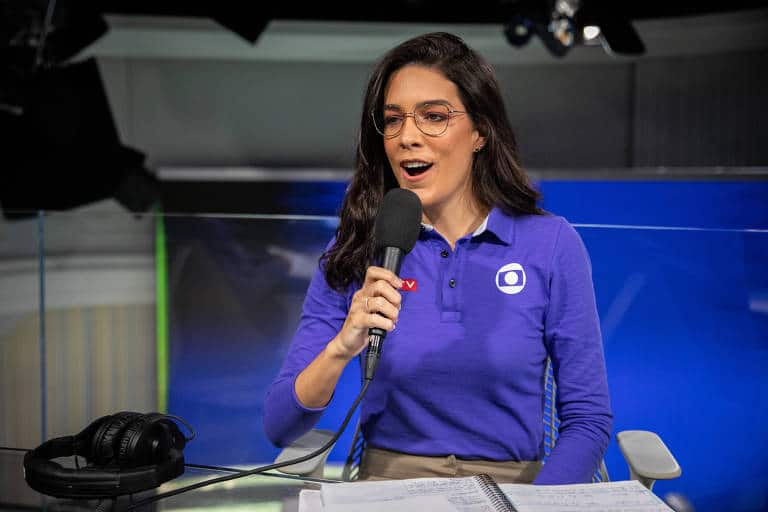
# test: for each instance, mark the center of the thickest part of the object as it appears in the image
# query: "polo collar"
(496, 224)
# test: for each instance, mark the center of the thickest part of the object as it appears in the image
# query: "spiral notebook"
(468, 494)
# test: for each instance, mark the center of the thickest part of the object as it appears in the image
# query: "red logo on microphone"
(409, 285)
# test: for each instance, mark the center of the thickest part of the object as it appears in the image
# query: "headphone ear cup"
(103, 446)
(145, 441)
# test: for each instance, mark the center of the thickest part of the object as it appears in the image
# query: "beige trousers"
(378, 464)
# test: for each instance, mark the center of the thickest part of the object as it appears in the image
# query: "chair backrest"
(351, 469)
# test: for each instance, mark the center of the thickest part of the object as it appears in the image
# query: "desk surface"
(257, 493)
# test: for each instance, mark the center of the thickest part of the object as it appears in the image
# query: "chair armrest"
(306, 444)
(648, 457)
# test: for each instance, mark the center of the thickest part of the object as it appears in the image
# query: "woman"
(495, 286)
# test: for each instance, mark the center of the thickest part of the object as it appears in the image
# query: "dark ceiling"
(482, 11)
(249, 19)
(19, 18)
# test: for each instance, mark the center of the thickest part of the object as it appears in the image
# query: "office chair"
(647, 456)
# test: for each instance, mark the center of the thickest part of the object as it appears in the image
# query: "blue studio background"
(681, 277)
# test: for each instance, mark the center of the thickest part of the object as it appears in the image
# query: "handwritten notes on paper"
(418, 495)
(625, 496)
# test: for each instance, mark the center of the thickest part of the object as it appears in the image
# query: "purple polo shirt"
(463, 371)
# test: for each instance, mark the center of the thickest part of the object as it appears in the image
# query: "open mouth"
(414, 168)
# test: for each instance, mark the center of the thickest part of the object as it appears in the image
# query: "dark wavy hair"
(497, 179)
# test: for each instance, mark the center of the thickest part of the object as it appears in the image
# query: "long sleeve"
(573, 339)
(323, 314)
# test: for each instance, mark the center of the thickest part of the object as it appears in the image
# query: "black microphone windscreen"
(399, 220)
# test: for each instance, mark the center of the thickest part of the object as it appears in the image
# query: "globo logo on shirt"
(510, 278)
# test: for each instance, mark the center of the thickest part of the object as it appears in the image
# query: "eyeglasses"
(431, 118)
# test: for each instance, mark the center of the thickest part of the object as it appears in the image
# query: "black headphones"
(126, 453)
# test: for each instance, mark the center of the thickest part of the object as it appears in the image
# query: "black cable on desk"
(276, 475)
(12, 449)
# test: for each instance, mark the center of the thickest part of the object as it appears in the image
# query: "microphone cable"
(262, 469)
(276, 475)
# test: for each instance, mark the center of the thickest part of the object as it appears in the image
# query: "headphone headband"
(110, 480)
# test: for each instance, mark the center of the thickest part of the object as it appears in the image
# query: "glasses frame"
(451, 114)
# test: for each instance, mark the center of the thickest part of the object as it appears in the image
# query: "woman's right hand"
(376, 304)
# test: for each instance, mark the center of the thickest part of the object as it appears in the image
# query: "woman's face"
(443, 178)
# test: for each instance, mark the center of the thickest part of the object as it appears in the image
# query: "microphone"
(397, 228)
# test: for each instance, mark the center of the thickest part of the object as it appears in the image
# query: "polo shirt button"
(452, 283)
(444, 253)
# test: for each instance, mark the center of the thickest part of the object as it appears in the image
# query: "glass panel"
(236, 287)
(100, 315)
(684, 316)
(20, 416)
